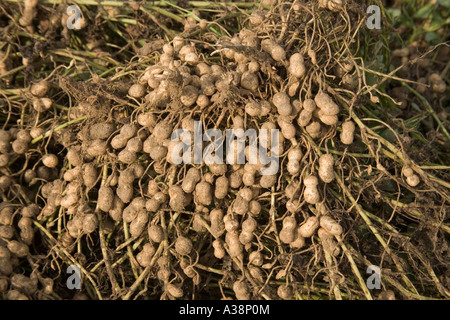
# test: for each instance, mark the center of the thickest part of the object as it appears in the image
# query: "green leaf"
(389, 135)
(436, 23)
(444, 3)
(433, 38)
(415, 106)
(389, 185)
(425, 12)
(394, 13)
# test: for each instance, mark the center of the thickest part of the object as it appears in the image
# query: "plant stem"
(62, 126)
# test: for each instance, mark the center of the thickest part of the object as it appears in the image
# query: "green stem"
(62, 126)
(429, 109)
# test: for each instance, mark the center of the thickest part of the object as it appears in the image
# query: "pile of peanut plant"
(88, 176)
